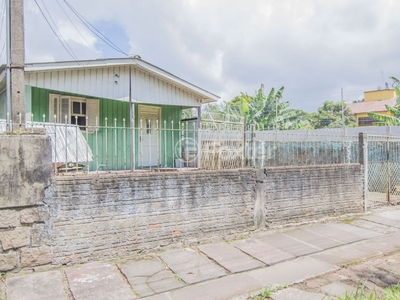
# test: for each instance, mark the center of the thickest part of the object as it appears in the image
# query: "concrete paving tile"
(191, 266)
(337, 289)
(230, 257)
(346, 254)
(378, 276)
(317, 240)
(361, 232)
(148, 277)
(288, 244)
(384, 244)
(222, 288)
(262, 251)
(384, 221)
(38, 286)
(391, 267)
(289, 272)
(343, 237)
(393, 213)
(296, 294)
(375, 226)
(97, 281)
(164, 296)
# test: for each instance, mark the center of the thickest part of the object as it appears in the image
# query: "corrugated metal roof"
(121, 62)
(371, 106)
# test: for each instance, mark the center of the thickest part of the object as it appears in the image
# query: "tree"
(385, 120)
(329, 115)
(267, 111)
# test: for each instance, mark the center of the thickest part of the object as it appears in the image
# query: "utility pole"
(342, 109)
(15, 64)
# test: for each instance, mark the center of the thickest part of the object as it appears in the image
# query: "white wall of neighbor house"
(113, 83)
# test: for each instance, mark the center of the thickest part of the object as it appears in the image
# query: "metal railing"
(114, 145)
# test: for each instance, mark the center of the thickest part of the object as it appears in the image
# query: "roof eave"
(205, 96)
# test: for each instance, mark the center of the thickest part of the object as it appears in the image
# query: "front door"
(149, 135)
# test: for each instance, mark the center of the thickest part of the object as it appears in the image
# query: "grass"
(265, 293)
(392, 292)
(389, 293)
(350, 220)
(178, 277)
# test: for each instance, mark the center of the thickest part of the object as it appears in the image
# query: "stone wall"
(25, 168)
(298, 194)
(107, 216)
(81, 218)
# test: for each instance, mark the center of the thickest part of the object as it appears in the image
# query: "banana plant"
(267, 111)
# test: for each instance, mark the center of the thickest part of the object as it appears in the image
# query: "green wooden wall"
(111, 145)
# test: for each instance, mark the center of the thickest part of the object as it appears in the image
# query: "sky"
(313, 48)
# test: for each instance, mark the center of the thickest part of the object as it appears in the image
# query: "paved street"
(308, 261)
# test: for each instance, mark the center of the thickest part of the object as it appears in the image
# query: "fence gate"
(383, 170)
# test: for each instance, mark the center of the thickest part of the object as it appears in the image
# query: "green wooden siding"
(110, 149)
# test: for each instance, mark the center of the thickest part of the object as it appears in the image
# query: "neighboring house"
(120, 94)
(374, 101)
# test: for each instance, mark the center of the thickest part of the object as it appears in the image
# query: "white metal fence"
(112, 145)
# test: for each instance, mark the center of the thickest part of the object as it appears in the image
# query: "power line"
(95, 30)
(3, 12)
(78, 30)
(59, 32)
(71, 53)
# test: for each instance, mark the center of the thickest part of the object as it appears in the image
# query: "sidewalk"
(231, 270)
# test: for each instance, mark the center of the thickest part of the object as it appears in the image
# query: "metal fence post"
(244, 154)
(388, 170)
(253, 145)
(363, 150)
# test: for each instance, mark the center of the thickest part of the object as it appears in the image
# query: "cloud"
(313, 48)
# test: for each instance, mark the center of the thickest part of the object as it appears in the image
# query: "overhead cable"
(78, 30)
(70, 52)
(95, 30)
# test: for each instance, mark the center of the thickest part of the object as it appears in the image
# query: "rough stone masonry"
(75, 219)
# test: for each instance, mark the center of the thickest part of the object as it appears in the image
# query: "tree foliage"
(267, 111)
(329, 115)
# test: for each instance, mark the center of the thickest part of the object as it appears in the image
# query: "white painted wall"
(112, 82)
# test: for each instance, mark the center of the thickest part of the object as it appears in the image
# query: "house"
(128, 110)
(374, 101)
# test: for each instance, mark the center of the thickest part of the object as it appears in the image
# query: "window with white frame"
(74, 110)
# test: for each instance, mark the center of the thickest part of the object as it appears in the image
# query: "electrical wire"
(3, 13)
(59, 32)
(71, 53)
(78, 29)
(95, 30)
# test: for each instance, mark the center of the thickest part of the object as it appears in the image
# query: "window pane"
(76, 107)
(366, 121)
(82, 122)
(83, 108)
